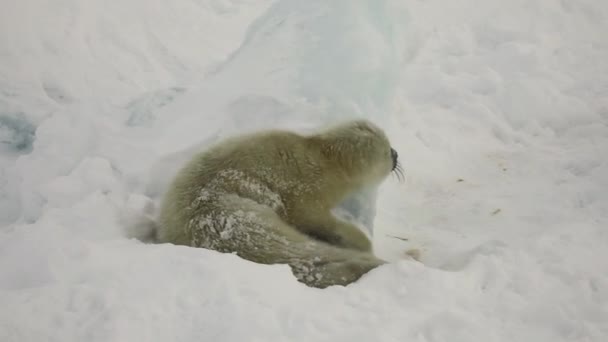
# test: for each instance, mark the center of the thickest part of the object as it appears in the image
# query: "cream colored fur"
(268, 196)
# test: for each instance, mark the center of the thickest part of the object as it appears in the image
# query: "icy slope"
(499, 111)
(82, 66)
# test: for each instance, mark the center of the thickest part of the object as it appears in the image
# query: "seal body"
(268, 198)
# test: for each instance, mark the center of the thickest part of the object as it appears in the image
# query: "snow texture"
(499, 111)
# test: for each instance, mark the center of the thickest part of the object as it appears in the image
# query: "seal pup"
(268, 198)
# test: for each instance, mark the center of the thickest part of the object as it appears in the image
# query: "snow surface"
(499, 110)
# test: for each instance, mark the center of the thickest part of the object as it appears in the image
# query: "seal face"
(268, 198)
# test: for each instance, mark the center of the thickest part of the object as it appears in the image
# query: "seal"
(268, 198)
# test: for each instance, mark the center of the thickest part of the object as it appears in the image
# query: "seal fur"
(268, 197)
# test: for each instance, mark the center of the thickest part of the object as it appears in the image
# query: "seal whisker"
(398, 171)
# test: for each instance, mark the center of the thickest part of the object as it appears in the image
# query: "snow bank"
(499, 112)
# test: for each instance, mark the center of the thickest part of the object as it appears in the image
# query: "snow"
(499, 112)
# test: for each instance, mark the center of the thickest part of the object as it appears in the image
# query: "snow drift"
(499, 112)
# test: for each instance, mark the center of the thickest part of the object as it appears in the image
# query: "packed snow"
(498, 109)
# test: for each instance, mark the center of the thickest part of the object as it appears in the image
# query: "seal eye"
(394, 156)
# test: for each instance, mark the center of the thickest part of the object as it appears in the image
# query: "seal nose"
(394, 156)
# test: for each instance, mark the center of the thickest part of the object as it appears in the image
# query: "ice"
(499, 112)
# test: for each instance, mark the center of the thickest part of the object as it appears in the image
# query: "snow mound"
(499, 112)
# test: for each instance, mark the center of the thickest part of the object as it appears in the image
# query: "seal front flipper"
(337, 233)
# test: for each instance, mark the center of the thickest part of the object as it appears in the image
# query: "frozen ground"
(499, 111)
